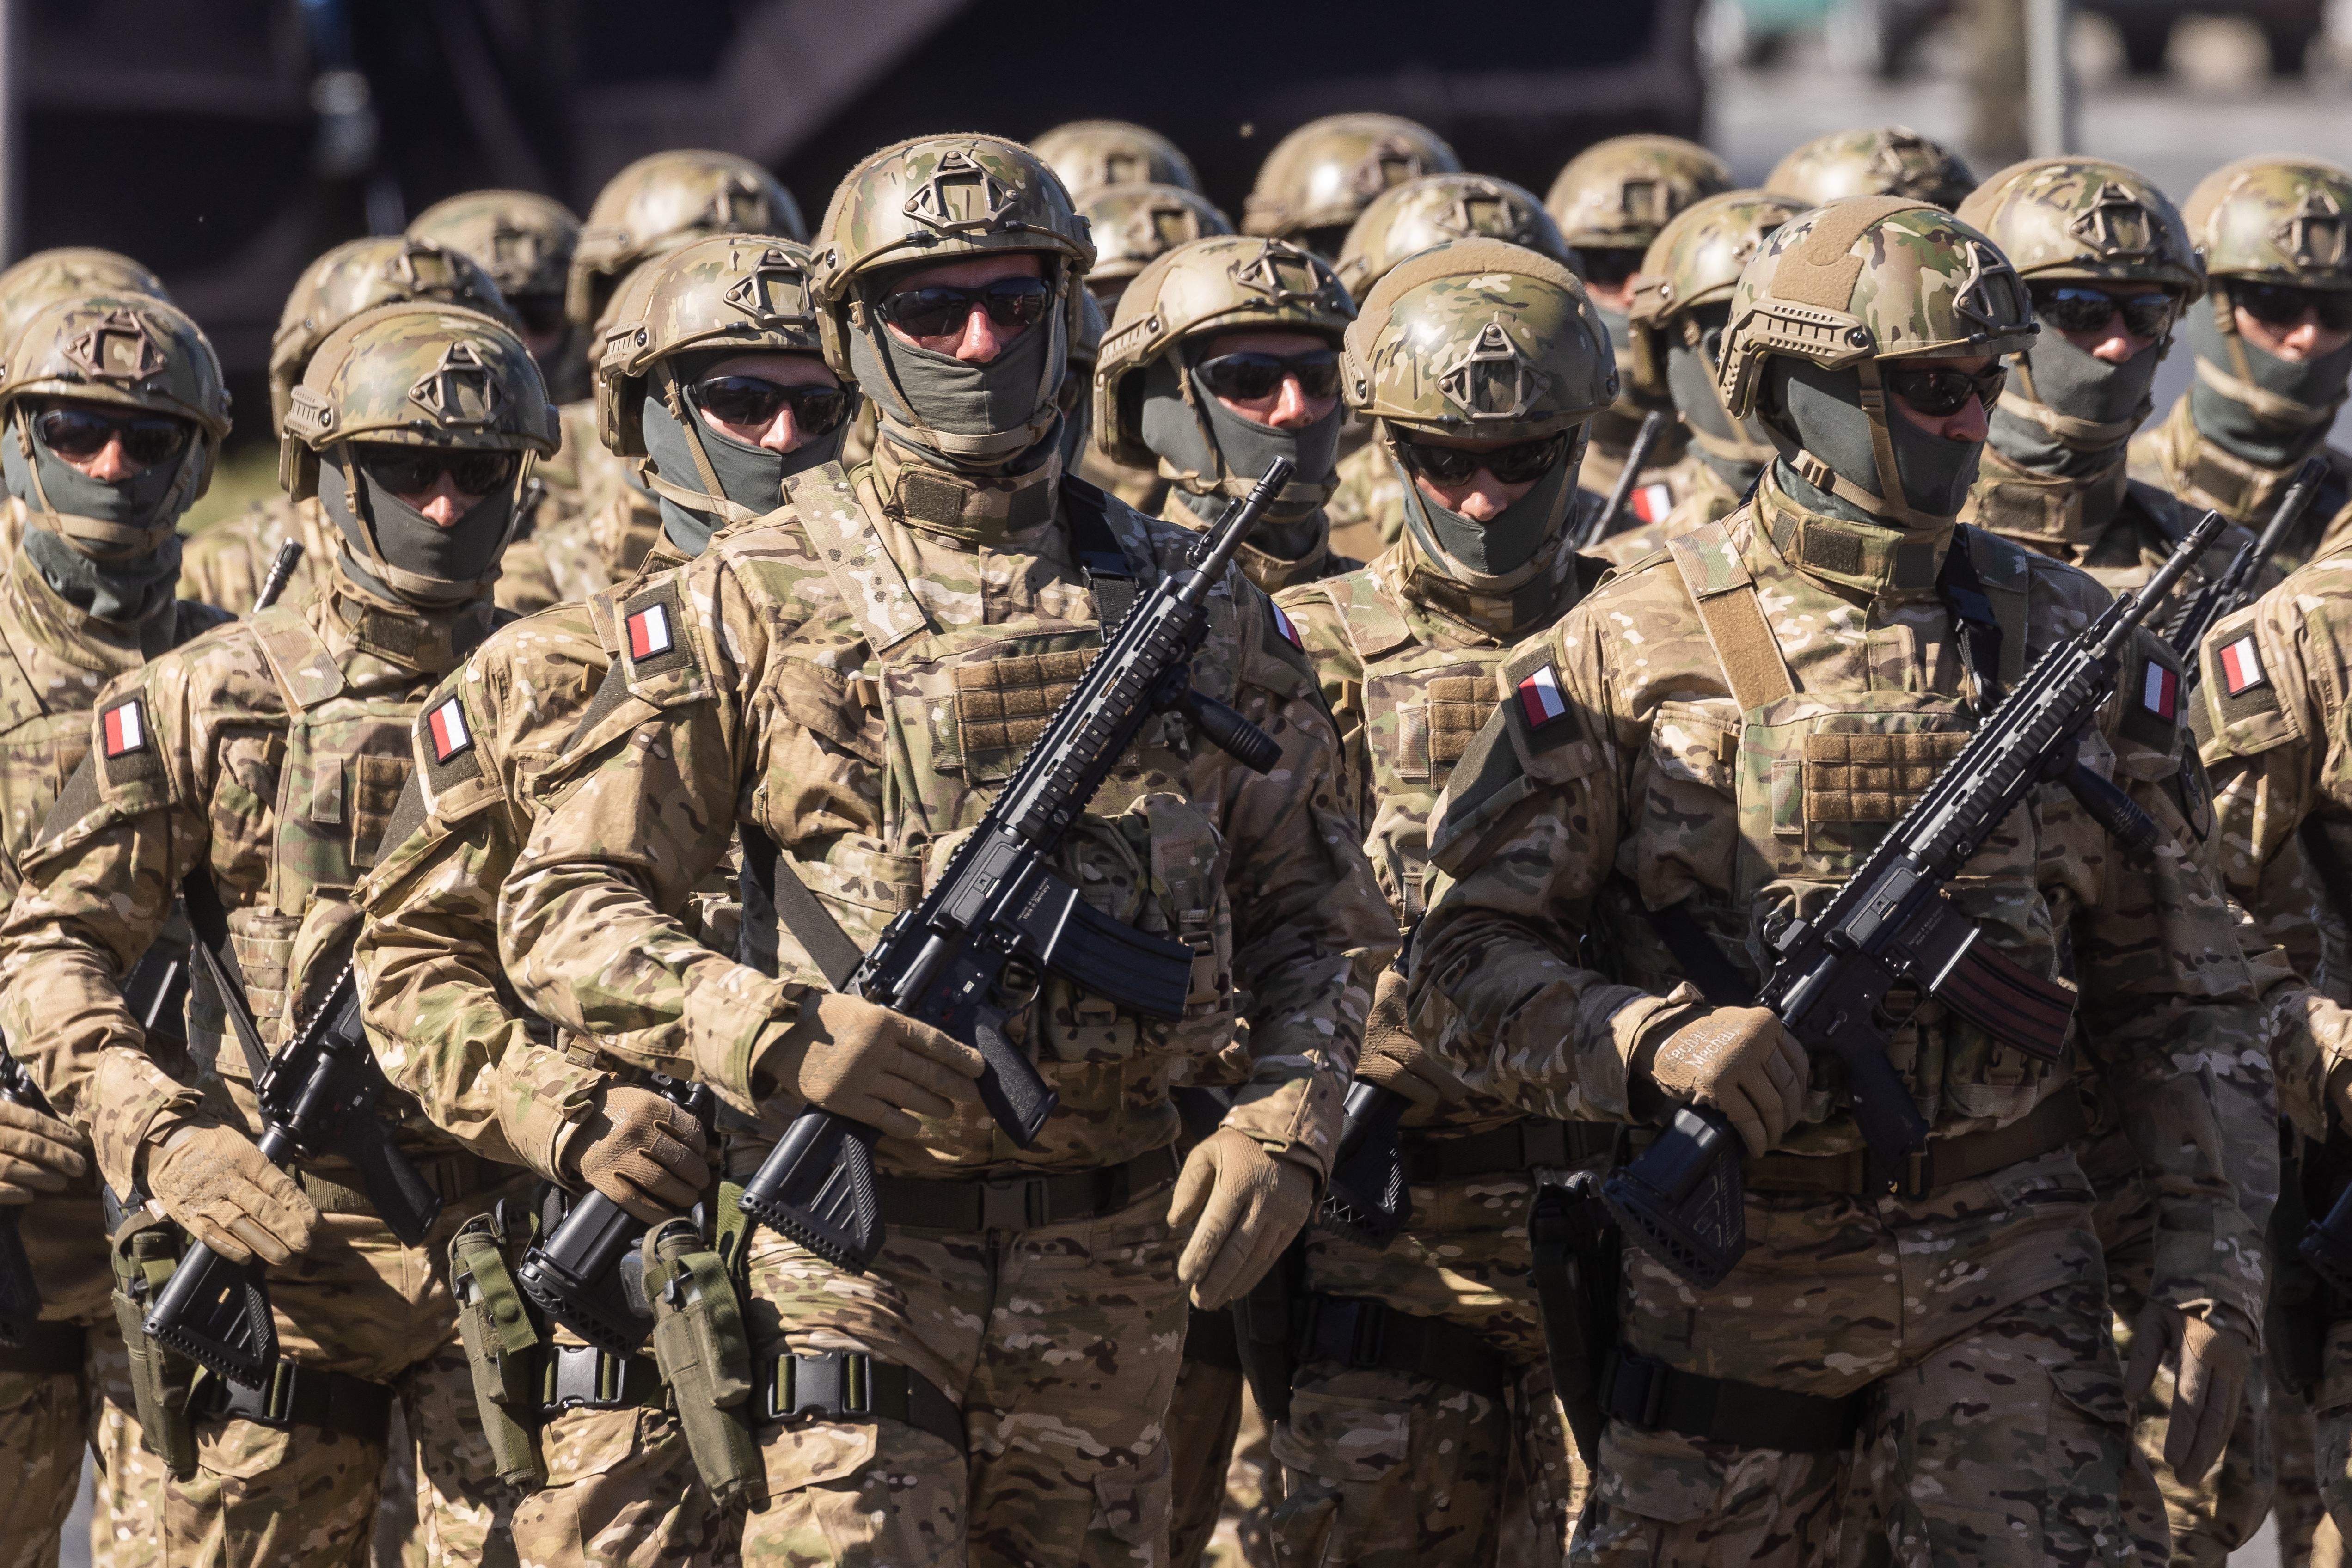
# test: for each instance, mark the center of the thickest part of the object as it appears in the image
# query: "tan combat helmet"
(2280, 219)
(360, 275)
(1436, 209)
(524, 241)
(67, 273)
(1134, 225)
(1874, 160)
(1857, 282)
(1695, 261)
(131, 352)
(1089, 154)
(662, 201)
(1321, 176)
(1617, 194)
(1231, 283)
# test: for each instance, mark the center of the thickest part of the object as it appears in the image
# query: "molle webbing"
(1872, 778)
(1459, 706)
(1003, 704)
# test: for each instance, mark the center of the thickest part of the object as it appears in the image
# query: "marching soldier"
(1318, 179)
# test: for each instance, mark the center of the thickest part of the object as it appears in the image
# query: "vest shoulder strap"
(872, 587)
(305, 667)
(1725, 593)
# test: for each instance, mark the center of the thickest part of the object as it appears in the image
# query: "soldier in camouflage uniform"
(1318, 179)
(115, 410)
(1926, 1372)
(48, 275)
(1089, 155)
(1224, 355)
(831, 680)
(1481, 364)
(1682, 303)
(226, 562)
(1367, 509)
(1873, 160)
(1611, 201)
(2274, 347)
(266, 758)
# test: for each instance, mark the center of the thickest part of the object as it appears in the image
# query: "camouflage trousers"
(1061, 1344)
(1387, 1469)
(1203, 1420)
(2333, 1405)
(1975, 1323)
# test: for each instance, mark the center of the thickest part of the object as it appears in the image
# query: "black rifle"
(997, 904)
(1890, 923)
(1653, 425)
(2224, 594)
(281, 570)
(20, 1289)
(1368, 1199)
(584, 1270)
(318, 1098)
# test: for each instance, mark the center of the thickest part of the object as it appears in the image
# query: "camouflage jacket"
(2176, 459)
(1668, 506)
(569, 558)
(1367, 512)
(1622, 773)
(571, 475)
(856, 682)
(224, 564)
(271, 751)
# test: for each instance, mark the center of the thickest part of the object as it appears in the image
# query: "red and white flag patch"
(1652, 502)
(125, 725)
(1541, 696)
(1282, 624)
(2242, 666)
(2160, 692)
(446, 726)
(649, 632)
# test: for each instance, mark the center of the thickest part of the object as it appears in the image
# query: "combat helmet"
(1321, 176)
(663, 201)
(1435, 208)
(525, 242)
(1874, 160)
(1695, 261)
(1617, 194)
(2280, 220)
(1089, 154)
(360, 275)
(69, 272)
(1134, 225)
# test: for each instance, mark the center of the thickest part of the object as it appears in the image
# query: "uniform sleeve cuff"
(138, 1103)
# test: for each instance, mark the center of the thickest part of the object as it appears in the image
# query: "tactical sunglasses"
(753, 400)
(83, 433)
(1610, 265)
(410, 470)
(2075, 308)
(1247, 377)
(2282, 304)
(936, 309)
(1517, 464)
(1940, 390)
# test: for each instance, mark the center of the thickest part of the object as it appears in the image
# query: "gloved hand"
(2215, 1366)
(216, 1184)
(1740, 1061)
(871, 1065)
(37, 1154)
(642, 1152)
(1243, 1206)
(1393, 1058)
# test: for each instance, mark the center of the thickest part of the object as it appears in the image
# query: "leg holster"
(503, 1340)
(144, 1248)
(704, 1349)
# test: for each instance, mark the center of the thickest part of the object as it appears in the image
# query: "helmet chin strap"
(122, 541)
(714, 498)
(2278, 411)
(438, 592)
(1894, 504)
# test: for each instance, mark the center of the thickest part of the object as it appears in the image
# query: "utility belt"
(298, 1396)
(1360, 1333)
(1521, 1146)
(1015, 1201)
(851, 1385)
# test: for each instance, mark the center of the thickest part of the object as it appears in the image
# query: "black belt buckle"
(582, 1377)
(1347, 1330)
(832, 1385)
(272, 1406)
(1012, 1202)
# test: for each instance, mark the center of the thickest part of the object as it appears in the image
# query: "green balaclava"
(1509, 542)
(751, 477)
(114, 579)
(1735, 449)
(2082, 411)
(2306, 394)
(1172, 429)
(459, 555)
(966, 419)
(1821, 411)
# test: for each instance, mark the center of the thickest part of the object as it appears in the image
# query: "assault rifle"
(997, 906)
(2226, 593)
(318, 1098)
(1653, 425)
(20, 1289)
(1890, 923)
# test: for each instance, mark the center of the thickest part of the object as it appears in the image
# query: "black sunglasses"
(408, 471)
(1516, 464)
(936, 309)
(1247, 377)
(2076, 308)
(1940, 390)
(2283, 304)
(83, 433)
(753, 400)
(1609, 266)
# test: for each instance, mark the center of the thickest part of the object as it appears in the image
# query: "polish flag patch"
(125, 724)
(649, 632)
(1282, 624)
(2242, 666)
(2160, 692)
(1539, 695)
(1652, 502)
(447, 725)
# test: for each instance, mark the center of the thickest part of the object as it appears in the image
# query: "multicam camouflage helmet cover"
(1849, 285)
(1089, 154)
(1134, 225)
(523, 240)
(1695, 261)
(1323, 175)
(359, 275)
(2085, 217)
(664, 201)
(71, 272)
(130, 350)
(1618, 194)
(1228, 283)
(2275, 218)
(1874, 160)
(1436, 209)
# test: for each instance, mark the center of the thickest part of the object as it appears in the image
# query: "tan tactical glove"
(1740, 1061)
(1243, 1206)
(37, 1154)
(872, 1064)
(642, 1152)
(1393, 1058)
(2215, 1365)
(215, 1185)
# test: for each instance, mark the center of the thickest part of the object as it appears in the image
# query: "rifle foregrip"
(1235, 735)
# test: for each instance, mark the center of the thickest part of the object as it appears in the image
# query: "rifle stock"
(2226, 593)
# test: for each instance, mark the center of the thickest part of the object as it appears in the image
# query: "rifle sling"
(1702, 960)
(209, 919)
